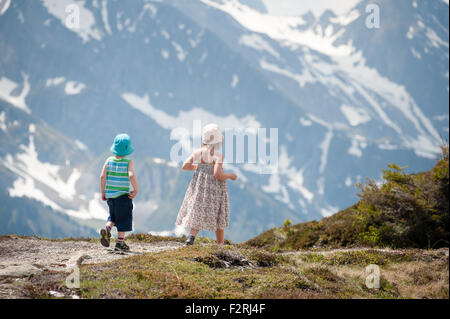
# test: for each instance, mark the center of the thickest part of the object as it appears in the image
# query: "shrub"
(407, 209)
(404, 210)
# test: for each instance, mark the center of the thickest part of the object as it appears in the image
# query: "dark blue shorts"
(121, 212)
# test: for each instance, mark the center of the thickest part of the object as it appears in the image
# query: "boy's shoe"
(105, 236)
(121, 246)
(190, 241)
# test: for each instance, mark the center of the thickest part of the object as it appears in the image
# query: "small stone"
(56, 294)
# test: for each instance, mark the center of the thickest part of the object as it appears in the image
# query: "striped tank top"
(117, 180)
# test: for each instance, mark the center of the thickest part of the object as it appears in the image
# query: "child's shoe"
(121, 246)
(190, 241)
(105, 236)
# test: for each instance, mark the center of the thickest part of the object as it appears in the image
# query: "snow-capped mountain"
(40, 169)
(346, 99)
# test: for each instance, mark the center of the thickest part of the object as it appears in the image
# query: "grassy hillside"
(406, 210)
(209, 271)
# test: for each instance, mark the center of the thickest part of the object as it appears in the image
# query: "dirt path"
(22, 257)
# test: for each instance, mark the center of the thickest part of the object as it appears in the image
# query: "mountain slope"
(406, 210)
(38, 181)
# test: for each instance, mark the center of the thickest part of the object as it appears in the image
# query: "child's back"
(117, 174)
(206, 205)
(117, 179)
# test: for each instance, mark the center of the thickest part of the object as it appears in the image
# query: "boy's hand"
(132, 194)
(104, 197)
(233, 177)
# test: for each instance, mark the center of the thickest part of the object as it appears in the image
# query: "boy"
(117, 174)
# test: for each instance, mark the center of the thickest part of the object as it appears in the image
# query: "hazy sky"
(296, 7)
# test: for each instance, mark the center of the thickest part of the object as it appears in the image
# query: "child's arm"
(133, 180)
(220, 174)
(189, 165)
(103, 181)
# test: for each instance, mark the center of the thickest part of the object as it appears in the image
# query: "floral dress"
(205, 205)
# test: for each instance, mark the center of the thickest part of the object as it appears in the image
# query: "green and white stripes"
(117, 180)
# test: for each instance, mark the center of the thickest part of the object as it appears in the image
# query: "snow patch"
(301, 79)
(295, 177)
(386, 145)
(4, 5)
(185, 119)
(348, 181)
(165, 54)
(347, 18)
(87, 29)
(283, 29)
(325, 146)
(316, 7)
(416, 54)
(7, 87)
(235, 81)
(181, 54)
(355, 116)
(358, 144)
(410, 34)
(25, 187)
(81, 145)
(443, 117)
(305, 122)
(3, 126)
(105, 17)
(258, 43)
(165, 34)
(55, 81)
(35, 176)
(74, 88)
(27, 165)
(94, 209)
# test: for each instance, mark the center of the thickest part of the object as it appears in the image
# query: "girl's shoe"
(121, 246)
(190, 241)
(105, 236)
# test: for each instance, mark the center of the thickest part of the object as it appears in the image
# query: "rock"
(56, 294)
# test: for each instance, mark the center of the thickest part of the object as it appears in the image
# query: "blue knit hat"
(122, 145)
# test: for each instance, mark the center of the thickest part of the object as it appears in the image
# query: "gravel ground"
(21, 258)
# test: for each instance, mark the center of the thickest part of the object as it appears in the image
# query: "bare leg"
(220, 234)
(193, 232)
(110, 224)
(121, 234)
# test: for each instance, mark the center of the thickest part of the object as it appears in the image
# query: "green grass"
(199, 272)
(182, 274)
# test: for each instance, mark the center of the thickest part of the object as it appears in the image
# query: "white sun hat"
(211, 134)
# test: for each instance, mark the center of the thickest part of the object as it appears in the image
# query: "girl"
(205, 205)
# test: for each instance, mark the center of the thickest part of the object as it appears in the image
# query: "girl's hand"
(233, 177)
(104, 197)
(132, 194)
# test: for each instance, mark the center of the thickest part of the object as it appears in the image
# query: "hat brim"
(217, 139)
(116, 152)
